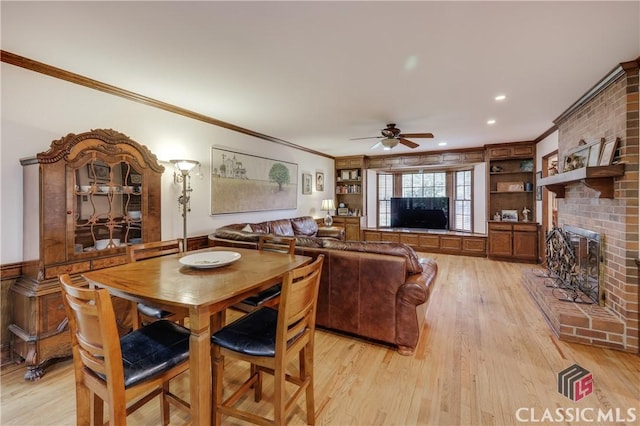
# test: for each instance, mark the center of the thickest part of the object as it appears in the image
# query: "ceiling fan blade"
(370, 137)
(408, 143)
(376, 145)
(416, 135)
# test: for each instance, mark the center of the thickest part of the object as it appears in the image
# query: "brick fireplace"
(608, 112)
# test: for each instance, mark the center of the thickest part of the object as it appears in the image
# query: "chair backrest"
(94, 334)
(298, 303)
(153, 249)
(277, 244)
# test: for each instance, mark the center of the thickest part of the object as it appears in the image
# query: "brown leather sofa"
(304, 226)
(376, 290)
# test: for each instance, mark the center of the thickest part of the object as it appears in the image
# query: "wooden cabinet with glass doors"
(85, 200)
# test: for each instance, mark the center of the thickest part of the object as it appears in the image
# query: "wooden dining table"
(204, 292)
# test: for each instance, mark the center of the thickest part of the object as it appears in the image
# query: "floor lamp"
(181, 175)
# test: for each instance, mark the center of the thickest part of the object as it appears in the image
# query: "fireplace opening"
(574, 264)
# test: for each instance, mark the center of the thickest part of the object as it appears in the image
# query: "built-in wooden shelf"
(599, 178)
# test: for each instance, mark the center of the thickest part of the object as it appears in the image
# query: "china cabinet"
(85, 199)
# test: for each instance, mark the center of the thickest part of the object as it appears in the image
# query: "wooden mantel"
(599, 178)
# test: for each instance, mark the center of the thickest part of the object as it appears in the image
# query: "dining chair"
(269, 340)
(142, 312)
(130, 370)
(270, 296)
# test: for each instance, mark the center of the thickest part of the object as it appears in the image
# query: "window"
(462, 201)
(433, 184)
(429, 184)
(385, 192)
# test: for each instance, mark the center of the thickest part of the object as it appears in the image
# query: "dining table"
(205, 283)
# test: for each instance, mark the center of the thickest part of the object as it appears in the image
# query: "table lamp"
(328, 206)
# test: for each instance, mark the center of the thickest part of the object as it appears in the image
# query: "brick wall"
(612, 113)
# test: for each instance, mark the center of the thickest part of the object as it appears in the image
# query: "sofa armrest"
(336, 232)
(411, 306)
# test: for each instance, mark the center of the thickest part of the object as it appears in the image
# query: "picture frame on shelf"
(608, 151)
(577, 158)
(307, 187)
(594, 153)
(526, 166)
(98, 172)
(509, 215)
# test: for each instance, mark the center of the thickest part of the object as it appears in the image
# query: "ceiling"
(317, 74)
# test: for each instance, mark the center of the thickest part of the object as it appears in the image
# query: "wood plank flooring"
(485, 355)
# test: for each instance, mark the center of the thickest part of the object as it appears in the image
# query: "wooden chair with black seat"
(270, 296)
(130, 370)
(144, 313)
(269, 340)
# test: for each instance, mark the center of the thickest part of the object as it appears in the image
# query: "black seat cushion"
(153, 312)
(153, 349)
(264, 296)
(253, 334)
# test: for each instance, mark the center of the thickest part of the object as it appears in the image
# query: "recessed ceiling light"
(490, 122)
(442, 143)
(500, 97)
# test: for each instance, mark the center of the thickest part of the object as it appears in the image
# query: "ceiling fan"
(391, 137)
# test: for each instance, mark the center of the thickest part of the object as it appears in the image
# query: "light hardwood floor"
(485, 355)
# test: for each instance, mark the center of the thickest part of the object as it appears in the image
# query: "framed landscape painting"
(248, 183)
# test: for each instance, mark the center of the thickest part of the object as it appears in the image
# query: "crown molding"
(51, 71)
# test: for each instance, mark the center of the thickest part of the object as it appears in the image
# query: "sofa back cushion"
(394, 249)
(281, 227)
(261, 228)
(305, 225)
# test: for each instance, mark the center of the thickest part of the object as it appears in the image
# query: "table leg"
(200, 368)
(217, 322)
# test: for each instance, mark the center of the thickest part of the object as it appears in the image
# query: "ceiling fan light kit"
(389, 143)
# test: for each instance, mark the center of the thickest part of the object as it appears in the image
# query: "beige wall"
(37, 109)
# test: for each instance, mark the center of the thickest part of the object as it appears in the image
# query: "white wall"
(543, 148)
(480, 197)
(37, 109)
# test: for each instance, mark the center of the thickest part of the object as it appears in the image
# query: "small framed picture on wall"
(306, 183)
(319, 181)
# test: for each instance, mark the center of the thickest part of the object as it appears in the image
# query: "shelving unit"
(350, 184)
(511, 183)
(511, 180)
(350, 191)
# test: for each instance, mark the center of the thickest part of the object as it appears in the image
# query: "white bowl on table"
(135, 214)
(102, 244)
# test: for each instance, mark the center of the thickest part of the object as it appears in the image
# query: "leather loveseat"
(378, 291)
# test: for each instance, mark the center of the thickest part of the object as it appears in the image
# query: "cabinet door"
(499, 243)
(107, 205)
(352, 232)
(525, 245)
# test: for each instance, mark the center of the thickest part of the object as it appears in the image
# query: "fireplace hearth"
(574, 265)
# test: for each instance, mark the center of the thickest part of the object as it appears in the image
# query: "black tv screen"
(420, 212)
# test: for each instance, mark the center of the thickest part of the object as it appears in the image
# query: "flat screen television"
(420, 212)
